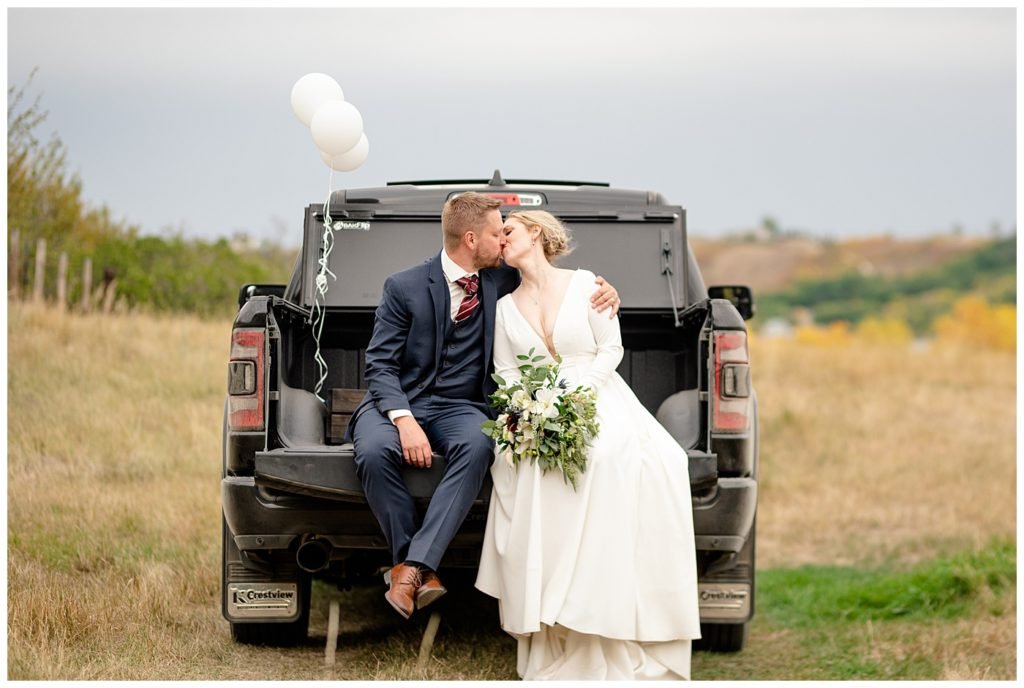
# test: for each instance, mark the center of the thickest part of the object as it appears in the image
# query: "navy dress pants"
(453, 429)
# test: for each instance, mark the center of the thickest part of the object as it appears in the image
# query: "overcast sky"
(832, 121)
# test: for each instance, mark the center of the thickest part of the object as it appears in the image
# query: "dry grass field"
(878, 453)
(871, 456)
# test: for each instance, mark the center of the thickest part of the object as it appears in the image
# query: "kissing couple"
(596, 582)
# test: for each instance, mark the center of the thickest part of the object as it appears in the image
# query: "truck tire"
(722, 637)
(279, 634)
(731, 637)
(274, 634)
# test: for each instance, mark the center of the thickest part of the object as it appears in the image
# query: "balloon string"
(320, 294)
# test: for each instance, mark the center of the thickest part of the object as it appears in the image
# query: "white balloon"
(350, 159)
(336, 127)
(312, 91)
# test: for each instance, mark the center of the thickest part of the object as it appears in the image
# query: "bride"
(600, 582)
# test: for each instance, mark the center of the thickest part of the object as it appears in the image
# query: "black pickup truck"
(293, 506)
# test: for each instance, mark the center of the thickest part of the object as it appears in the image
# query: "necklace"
(539, 289)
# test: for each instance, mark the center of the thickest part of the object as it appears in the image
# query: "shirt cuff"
(398, 413)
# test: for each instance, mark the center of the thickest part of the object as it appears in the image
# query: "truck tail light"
(245, 380)
(731, 399)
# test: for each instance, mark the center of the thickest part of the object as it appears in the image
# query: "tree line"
(918, 298)
(161, 273)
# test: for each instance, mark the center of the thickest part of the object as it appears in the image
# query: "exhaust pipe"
(313, 554)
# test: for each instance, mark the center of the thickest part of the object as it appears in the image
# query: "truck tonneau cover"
(640, 251)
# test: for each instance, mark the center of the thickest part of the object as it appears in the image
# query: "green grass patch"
(943, 588)
(833, 623)
(127, 546)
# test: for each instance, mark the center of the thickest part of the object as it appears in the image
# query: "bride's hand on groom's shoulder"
(415, 445)
(605, 297)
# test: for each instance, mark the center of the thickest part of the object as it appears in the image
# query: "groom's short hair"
(463, 213)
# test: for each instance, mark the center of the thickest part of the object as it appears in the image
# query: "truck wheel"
(274, 634)
(731, 637)
(722, 637)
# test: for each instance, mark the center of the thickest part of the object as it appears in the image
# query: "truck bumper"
(722, 520)
(725, 538)
(259, 518)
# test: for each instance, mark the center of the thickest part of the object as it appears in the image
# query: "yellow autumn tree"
(975, 322)
(832, 335)
(884, 330)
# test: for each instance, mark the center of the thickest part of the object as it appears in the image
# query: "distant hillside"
(772, 265)
(915, 281)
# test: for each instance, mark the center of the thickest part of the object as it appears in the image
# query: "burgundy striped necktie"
(471, 284)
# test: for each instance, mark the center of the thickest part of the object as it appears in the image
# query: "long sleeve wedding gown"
(600, 582)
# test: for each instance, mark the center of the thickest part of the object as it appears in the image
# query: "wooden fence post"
(14, 265)
(108, 296)
(86, 285)
(25, 273)
(37, 291)
(62, 281)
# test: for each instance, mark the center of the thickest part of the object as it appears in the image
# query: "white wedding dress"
(600, 582)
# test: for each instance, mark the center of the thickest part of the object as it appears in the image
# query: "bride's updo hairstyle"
(553, 234)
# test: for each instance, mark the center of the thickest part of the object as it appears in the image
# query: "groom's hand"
(415, 445)
(605, 297)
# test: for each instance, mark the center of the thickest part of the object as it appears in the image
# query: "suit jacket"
(404, 353)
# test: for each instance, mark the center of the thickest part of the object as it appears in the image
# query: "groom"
(428, 368)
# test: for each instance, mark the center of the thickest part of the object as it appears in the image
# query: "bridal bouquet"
(540, 419)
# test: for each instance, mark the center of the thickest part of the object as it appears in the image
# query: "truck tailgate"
(330, 472)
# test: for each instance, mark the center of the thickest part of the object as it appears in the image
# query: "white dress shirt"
(453, 271)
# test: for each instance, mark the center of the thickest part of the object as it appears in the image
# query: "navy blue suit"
(413, 349)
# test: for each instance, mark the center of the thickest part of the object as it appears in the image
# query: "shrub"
(973, 321)
(831, 335)
(884, 330)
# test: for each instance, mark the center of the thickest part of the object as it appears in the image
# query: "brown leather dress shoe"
(430, 589)
(403, 582)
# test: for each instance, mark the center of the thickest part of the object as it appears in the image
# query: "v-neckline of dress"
(554, 323)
